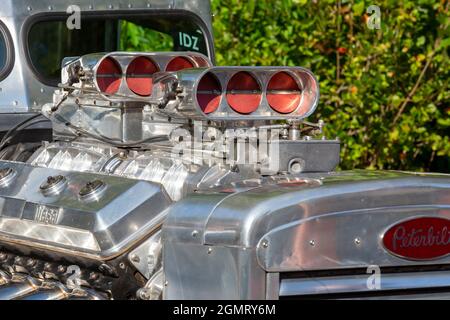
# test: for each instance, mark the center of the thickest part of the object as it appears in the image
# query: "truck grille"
(394, 283)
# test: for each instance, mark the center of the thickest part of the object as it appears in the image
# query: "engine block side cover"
(99, 227)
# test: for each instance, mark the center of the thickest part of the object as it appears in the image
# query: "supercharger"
(167, 177)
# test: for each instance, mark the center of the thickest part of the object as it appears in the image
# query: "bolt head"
(143, 294)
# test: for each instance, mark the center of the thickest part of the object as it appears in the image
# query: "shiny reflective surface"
(21, 90)
(247, 93)
(128, 210)
(358, 283)
(331, 221)
(21, 286)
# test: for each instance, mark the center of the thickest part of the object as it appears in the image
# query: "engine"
(133, 135)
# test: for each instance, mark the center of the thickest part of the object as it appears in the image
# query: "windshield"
(50, 41)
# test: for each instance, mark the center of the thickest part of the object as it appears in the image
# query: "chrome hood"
(326, 221)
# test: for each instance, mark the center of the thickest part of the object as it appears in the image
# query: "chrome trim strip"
(358, 283)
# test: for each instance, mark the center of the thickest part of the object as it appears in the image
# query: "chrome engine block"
(124, 151)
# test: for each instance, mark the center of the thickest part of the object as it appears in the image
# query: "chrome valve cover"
(92, 215)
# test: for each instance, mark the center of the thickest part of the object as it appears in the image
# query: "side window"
(6, 52)
(2, 52)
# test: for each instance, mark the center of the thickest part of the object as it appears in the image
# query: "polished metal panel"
(353, 239)
(146, 258)
(270, 207)
(21, 90)
(194, 271)
(358, 283)
(127, 211)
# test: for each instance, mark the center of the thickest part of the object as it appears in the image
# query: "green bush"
(384, 93)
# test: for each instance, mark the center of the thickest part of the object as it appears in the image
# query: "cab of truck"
(37, 36)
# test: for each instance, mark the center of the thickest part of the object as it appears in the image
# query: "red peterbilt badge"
(423, 238)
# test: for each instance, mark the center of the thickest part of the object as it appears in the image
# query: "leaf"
(358, 8)
(444, 44)
(420, 41)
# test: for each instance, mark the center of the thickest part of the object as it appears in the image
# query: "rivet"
(122, 265)
(166, 283)
(42, 90)
(357, 241)
(265, 244)
(111, 6)
(194, 233)
(209, 250)
(15, 102)
(135, 258)
(149, 5)
(312, 243)
(130, 5)
(50, 8)
(91, 7)
(29, 8)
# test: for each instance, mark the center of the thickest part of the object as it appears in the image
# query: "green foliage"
(137, 38)
(384, 93)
